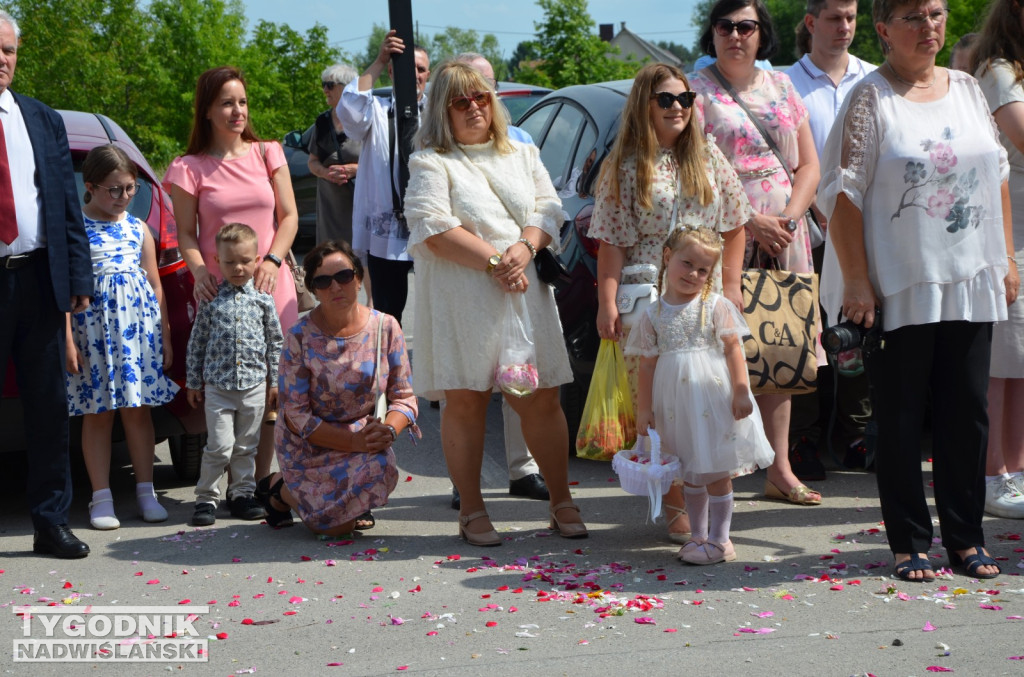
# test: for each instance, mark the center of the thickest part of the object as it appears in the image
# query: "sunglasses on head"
(666, 99)
(461, 103)
(725, 27)
(329, 85)
(342, 277)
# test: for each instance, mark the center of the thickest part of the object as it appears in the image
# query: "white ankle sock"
(720, 516)
(697, 507)
(149, 506)
(101, 510)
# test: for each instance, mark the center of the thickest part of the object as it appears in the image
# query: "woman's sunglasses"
(724, 27)
(461, 103)
(666, 99)
(342, 277)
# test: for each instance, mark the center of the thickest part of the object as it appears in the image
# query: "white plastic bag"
(516, 372)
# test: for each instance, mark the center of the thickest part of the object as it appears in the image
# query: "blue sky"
(511, 21)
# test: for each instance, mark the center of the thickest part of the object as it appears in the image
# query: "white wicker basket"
(647, 476)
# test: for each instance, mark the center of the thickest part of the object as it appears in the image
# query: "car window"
(534, 124)
(586, 155)
(559, 143)
(520, 103)
(139, 206)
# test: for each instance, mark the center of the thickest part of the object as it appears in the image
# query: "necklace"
(908, 83)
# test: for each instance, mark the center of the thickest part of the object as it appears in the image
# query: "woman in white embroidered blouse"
(479, 207)
(919, 227)
(661, 175)
(998, 63)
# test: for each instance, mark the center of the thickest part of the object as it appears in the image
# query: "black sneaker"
(803, 458)
(246, 507)
(205, 515)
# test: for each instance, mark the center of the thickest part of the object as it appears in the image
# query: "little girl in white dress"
(693, 389)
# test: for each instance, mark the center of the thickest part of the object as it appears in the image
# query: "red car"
(182, 426)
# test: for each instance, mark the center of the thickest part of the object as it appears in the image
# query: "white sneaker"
(1004, 499)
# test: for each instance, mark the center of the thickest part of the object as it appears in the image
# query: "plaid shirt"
(236, 340)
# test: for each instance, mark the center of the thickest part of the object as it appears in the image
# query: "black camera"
(849, 335)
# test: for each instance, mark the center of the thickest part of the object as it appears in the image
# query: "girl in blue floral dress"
(115, 351)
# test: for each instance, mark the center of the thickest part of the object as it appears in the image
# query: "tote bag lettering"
(781, 309)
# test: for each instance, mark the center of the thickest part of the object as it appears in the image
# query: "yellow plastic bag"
(608, 423)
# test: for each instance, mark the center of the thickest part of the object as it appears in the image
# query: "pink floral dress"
(781, 111)
(329, 379)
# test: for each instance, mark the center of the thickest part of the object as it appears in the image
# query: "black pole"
(404, 88)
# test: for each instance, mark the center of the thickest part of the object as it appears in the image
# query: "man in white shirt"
(45, 272)
(379, 232)
(824, 77)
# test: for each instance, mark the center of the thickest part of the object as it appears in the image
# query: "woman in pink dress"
(228, 175)
(738, 33)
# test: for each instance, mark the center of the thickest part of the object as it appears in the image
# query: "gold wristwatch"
(493, 262)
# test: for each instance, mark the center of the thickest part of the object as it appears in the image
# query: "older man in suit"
(45, 271)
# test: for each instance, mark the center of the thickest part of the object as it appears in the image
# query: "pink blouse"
(236, 190)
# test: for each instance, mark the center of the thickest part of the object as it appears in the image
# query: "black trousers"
(389, 284)
(32, 333)
(949, 362)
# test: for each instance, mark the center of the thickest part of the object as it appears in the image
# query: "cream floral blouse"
(642, 232)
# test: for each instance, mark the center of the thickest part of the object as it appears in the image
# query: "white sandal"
(681, 537)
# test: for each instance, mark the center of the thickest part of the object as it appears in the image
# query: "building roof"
(631, 44)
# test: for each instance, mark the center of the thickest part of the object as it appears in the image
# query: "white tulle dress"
(692, 392)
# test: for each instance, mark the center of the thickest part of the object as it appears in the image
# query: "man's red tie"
(8, 214)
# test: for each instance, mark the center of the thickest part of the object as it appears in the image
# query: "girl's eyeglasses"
(117, 191)
(666, 99)
(725, 27)
(342, 277)
(461, 103)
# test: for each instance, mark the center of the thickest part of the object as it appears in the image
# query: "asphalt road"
(810, 592)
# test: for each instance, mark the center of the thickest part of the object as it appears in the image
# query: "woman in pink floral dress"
(738, 33)
(662, 175)
(335, 455)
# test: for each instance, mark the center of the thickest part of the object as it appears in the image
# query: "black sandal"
(970, 564)
(915, 563)
(365, 517)
(264, 494)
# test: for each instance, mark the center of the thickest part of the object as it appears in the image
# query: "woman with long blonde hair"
(662, 175)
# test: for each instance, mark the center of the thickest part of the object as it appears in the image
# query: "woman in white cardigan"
(479, 207)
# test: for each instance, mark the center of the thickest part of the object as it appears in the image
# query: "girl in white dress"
(116, 355)
(694, 390)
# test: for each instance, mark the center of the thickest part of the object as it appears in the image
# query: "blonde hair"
(636, 139)
(706, 238)
(454, 79)
(236, 232)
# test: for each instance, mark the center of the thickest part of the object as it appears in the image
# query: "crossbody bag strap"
(753, 119)
(380, 403)
(491, 186)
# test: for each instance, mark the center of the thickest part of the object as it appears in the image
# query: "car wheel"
(187, 455)
(573, 396)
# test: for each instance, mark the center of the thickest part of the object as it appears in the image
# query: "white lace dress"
(459, 309)
(926, 176)
(692, 391)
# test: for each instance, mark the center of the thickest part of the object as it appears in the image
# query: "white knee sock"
(149, 506)
(720, 516)
(697, 507)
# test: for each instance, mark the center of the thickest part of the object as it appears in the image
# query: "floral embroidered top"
(619, 219)
(926, 176)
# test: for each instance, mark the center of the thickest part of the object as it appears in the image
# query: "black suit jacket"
(67, 245)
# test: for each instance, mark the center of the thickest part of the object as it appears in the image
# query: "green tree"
(570, 51)
(683, 53)
(525, 53)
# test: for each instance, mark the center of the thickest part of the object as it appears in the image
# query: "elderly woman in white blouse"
(919, 227)
(479, 207)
